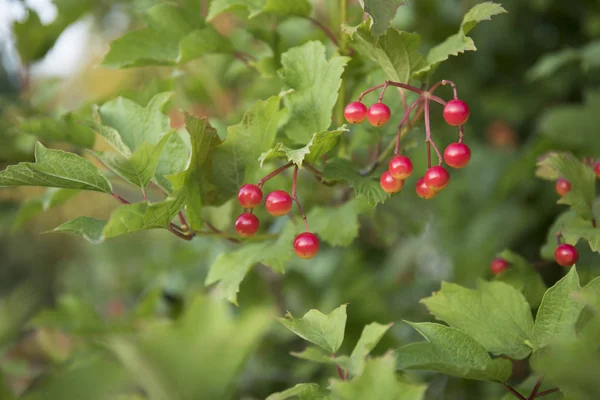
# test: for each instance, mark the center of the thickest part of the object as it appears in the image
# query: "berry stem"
(559, 238)
(122, 200)
(461, 133)
(428, 138)
(536, 388)
(405, 118)
(546, 392)
(183, 220)
(385, 85)
(295, 198)
(370, 90)
(514, 392)
(404, 105)
(416, 90)
(274, 174)
(445, 82)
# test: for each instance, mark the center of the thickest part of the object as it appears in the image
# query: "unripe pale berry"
(379, 114)
(389, 184)
(278, 203)
(597, 170)
(566, 255)
(499, 265)
(456, 112)
(306, 245)
(437, 177)
(400, 167)
(562, 187)
(246, 224)
(355, 112)
(249, 196)
(424, 191)
(457, 155)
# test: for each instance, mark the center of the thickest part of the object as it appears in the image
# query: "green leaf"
(56, 168)
(582, 179)
(246, 141)
(320, 144)
(566, 223)
(326, 331)
(556, 318)
(134, 124)
(89, 228)
(139, 168)
(196, 185)
(591, 235)
(62, 129)
(382, 12)
(254, 8)
(172, 36)
(495, 315)
(452, 352)
(337, 226)
(135, 217)
(317, 355)
(396, 52)
(369, 338)
(302, 391)
(52, 198)
(460, 42)
(173, 160)
(315, 82)
(341, 169)
(378, 381)
(522, 276)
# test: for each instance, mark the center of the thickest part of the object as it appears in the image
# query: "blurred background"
(533, 86)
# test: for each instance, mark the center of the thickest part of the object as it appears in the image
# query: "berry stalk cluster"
(277, 203)
(456, 155)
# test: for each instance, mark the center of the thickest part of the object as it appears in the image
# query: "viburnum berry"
(499, 265)
(306, 245)
(456, 112)
(562, 187)
(457, 155)
(597, 170)
(400, 167)
(423, 190)
(250, 196)
(355, 112)
(379, 114)
(389, 184)
(278, 203)
(566, 255)
(437, 177)
(246, 224)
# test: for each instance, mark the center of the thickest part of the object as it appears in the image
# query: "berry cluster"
(277, 203)
(456, 155)
(565, 255)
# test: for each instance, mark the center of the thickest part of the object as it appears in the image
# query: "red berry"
(355, 112)
(566, 255)
(379, 114)
(389, 184)
(597, 170)
(456, 112)
(306, 245)
(499, 265)
(278, 203)
(437, 178)
(246, 224)
(250, 196)
(562, 187)
(424, 191)
(457, 155)
(400, 167)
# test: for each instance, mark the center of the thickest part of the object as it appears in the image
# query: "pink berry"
(456, 112)
(597, 170)
(278, 203)
(499, 265)
(306, 245)
(400, 167)
(562, 187)
(566, 255)
(249, 196)
(246, 224)
(423, 190)
(379, 114)
(437, 177)
(389, 184)
(457, 155)
(355, 112)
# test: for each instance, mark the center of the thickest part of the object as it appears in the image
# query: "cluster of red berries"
(565, 255)
(277, 203)
(436, 178)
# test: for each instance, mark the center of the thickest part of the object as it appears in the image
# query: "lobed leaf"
(344, 170)
(382, 12)
(87, 227)
(56, 168)
(522, 276)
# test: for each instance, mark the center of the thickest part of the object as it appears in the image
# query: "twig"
(514, 392)
(295, 198)
(535, 390)
(428, 138)
(545, 392)
(273, 174)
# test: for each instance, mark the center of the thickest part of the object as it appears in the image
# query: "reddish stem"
(558, 238)
(545, 392)
(445, 82)
(416, 90)
(535, 390)
(385, 85)
(428, 138)
(514, 392)
(461, 134)
(122, 200)
(325, 30)
(183, 220)
(273, 174)
(404, 119)
(295, 198)
(370, 90)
